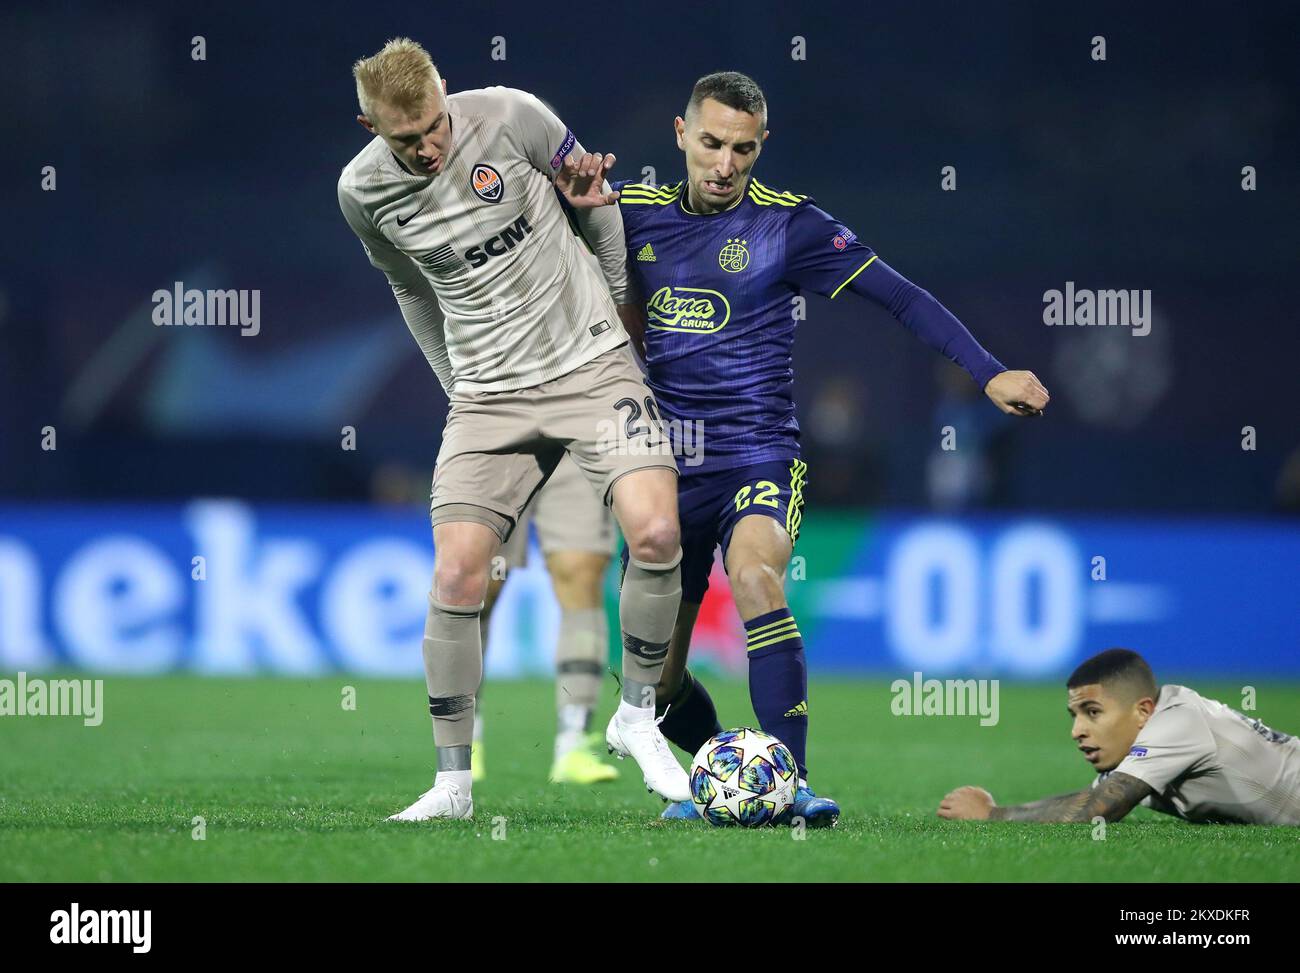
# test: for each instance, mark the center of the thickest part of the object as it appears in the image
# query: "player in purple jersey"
(720, 259)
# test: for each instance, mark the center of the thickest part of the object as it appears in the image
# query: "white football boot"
(642, 741)
(443, 800)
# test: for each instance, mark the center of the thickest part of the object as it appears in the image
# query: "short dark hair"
(1116, 666)
(733, 89)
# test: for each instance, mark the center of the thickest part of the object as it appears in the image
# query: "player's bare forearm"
(1113, 798)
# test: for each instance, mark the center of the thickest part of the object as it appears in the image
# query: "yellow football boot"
(581, 766)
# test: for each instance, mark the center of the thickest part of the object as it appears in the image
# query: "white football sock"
(627, 713)
(573, 722)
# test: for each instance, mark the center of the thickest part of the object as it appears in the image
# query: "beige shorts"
(569, 516)
(499, 448)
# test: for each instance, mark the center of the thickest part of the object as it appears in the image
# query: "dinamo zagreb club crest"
(733, 257)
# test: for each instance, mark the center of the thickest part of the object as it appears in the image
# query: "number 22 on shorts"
(765, 492)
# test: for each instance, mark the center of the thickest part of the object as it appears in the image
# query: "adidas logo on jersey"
(647, 254)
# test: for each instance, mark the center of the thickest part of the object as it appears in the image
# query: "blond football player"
(453, 200)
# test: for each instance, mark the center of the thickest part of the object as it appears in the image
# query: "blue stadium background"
(1123, 173)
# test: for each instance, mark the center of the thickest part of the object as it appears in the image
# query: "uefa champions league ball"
(743, 777)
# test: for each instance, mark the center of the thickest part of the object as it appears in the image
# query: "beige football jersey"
(1207, 762)
(481, 256)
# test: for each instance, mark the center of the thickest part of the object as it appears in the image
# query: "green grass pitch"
(293, 787)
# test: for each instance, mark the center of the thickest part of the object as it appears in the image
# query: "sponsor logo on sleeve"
(1138, 752)
(842, 239)
(563, 151)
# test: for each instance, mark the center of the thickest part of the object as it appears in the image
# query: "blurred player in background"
(1167, 748)
(720, 258)
(453, 200)
(576, 534)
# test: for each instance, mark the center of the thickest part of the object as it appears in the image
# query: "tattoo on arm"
(1113, 798)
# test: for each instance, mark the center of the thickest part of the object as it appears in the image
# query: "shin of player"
(778, 677)
(645, 503)
(580, 657)
(754, 513)
(756, 560)
(453, 661)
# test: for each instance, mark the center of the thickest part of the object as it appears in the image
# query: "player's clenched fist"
(581, 180)
(1017, 393)
(968, 803)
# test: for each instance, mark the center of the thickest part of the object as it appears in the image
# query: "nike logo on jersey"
(403, 222)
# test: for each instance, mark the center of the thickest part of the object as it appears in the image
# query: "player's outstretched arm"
(1017, 393)
(1113, 798)
(826, 257)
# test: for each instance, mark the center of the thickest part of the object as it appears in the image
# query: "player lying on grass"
(1169, 749)
(453, 200)
(720, 258)
(576, 534)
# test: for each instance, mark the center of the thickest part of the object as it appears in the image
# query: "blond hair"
(401, 75)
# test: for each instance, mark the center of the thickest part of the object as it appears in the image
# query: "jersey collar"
(686, 190)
